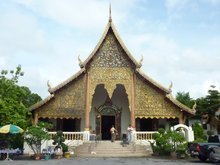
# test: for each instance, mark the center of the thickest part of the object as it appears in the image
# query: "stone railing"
(144, 135)
(85, 136)
(71, 135)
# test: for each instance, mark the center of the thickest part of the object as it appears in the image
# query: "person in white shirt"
(129, 133)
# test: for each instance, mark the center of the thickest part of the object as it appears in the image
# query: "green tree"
(29, 98)
(213, 100)
(185, 99)
(14, 100)
(210, 103)
(201, 106)
(36, 135)
(199, 133)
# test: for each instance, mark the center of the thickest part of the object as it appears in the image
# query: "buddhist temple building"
(110, 89)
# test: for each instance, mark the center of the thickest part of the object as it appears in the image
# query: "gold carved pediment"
(110, 77)
(150, 103)
(69, 102)
(110, 54)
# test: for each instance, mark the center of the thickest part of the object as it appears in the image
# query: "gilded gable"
(110, 54)
(152, 103)
(69, 102)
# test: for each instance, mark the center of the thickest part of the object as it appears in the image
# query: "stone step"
(109, 149)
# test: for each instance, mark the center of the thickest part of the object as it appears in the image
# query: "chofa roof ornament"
(140, 62)
(194, 106)
(80, 62)
(49, 86)
(170, 87)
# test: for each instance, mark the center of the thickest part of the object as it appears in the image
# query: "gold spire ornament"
(110, 13)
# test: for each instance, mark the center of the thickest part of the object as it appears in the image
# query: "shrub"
(199, 133)
(167, 142)
(36, 135)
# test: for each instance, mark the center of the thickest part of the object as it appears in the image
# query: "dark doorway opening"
(106, 124)
(68, 125)
(146, 125)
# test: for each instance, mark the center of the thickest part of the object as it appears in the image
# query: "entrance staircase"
(112, 149)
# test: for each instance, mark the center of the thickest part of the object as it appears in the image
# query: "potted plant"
(59, 140)
(35, 136)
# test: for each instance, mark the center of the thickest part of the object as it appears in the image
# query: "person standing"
(113, 132)
(129, 133)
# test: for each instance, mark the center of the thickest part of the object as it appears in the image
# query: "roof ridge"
(52, 90)
(152, 81)
(179, 104)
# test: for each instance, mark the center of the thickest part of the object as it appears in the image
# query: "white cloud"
(167, 60)
(45, 37)
(206, 85)
(87, 14)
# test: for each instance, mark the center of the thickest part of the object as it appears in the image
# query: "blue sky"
(179, 39)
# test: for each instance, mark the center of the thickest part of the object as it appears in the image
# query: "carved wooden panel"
(152, 104)
(67, 103)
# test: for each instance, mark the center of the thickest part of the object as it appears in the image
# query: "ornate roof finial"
(80, 62)
(49, 86)
(110, 13)
(194, 106)
(140, 62)
(170, 87)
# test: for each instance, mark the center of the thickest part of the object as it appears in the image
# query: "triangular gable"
(110, 26)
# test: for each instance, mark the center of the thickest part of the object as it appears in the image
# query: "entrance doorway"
(106, 124)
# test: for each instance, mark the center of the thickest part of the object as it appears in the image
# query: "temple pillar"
(87, 108)
(35, 119)
(133, 100)
(182, 119)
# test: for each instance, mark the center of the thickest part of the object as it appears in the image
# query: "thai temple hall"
(110, 89)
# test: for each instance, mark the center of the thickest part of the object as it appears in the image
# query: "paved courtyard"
(105, 161)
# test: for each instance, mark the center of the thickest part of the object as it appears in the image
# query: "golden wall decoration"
(110, 66)
(150, 103)
(69, 102)
(110, 77)
(110, 54)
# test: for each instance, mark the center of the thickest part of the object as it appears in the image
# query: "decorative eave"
(180, 105)
(167, 92)
(67, 81)
(52, 90)
(152, 81)
(111, 25)
(40, 103)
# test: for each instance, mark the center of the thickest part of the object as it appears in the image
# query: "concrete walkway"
(105, 161)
